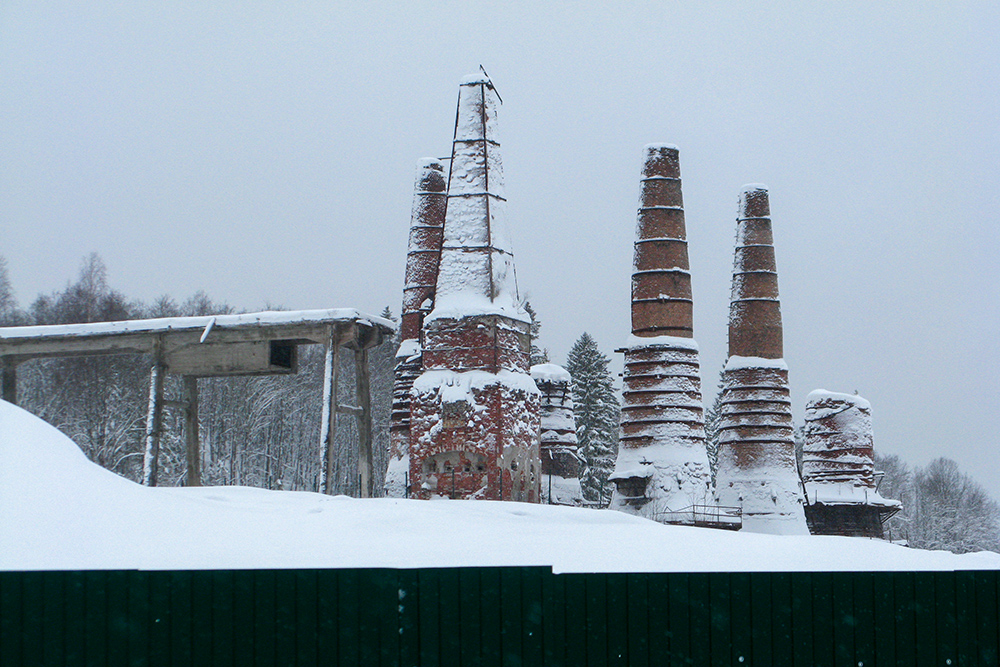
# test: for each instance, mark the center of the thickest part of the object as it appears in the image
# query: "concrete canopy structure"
(757, 470)
(662, 463)
(474, 409)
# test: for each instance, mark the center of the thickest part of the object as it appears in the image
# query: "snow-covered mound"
(59, 511)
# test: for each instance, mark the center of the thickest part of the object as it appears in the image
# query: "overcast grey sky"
(265, 152)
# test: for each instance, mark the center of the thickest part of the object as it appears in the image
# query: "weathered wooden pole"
(154, 418)
(366, 460)
(328, 430)
(9, 389)
(193, 447)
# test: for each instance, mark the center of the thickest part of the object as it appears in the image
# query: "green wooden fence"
(498, 616)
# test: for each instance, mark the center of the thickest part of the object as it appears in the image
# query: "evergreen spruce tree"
(712, 415)
(538, 355)
(597, 413)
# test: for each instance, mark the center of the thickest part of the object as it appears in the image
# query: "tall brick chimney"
(422, 258)
(474, 409)
(838, 468)
(757, 469)
(662, 464)
(561, 460)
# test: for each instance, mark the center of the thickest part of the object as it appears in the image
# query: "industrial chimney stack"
(757, 469)
(662, 464)
(422, 258)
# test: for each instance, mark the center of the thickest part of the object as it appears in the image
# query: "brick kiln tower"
(838, 468)
(662, 463)
(561, 461)
(474, 409)
(757, 469)
(422, 258)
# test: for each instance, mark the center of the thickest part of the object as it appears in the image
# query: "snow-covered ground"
(58, 511)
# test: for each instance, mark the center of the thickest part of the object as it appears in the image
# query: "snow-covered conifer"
(597, 414)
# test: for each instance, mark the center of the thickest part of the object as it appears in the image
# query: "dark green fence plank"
(864, 614)
(947, 624)
(243, 617)
(679, 616)
(510, 616)
(531, 615)
(448, 613)
(224, 632)
(906, 639)
(306, 620)
(988, 617)
(803, 637)
(924, 604)
(409, 635)
(749, 612)
(639, 609)
(179, 593)
(700, 612)
(822, 614)
(327, 605)
(53, 618)
(263, 617)
(284, 617)
(965, 613)
(554, 635)
(492, 620)
(76, 631)
(11, 618)
(617, 590)
(160, 616)
(430, 626)
(348, 618)
(782, 642)
(844, 620)
(96, 617)
(470, 620)
(138, 618)
(885, 619)
(597, 618)
(118, 622)
(658, 619)
(576, 618)
(721, 620)
(202, 631)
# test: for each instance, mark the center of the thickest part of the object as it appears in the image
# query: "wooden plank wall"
(498, 616)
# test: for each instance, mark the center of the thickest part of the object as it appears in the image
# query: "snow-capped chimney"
(561, 460)
(474, 409)
(662, 464)
(838, 467)
(757, 469)
(426, 227)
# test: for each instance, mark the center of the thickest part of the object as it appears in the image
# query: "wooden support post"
(328, 429)
(9, 390)
(154, 419)
(193, 477)
(366, 462)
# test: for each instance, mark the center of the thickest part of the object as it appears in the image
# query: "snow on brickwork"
(422, 258)
(476, 275)
(757, 470)
(474, 410)
(662, 463)
(561, 461)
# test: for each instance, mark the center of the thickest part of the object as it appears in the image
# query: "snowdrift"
(59, 511)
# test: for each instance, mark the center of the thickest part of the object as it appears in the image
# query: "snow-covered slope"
(58, 511)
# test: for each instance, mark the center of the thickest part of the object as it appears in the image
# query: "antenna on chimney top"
(489, 83)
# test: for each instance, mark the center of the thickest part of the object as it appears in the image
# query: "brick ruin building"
(422, 257)
(757, 470)
(662, 463)
(474, 408)
(838, 468)
(561, 460)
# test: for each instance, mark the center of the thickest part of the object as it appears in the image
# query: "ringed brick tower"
(474, 425)
(422, 258)
(838, 468)
(662, 463)
(561, 460)
(757, 469)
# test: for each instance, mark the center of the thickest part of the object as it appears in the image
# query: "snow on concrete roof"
(62, 512)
